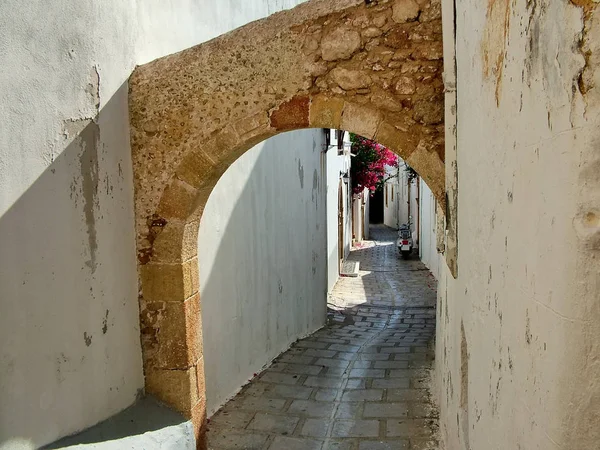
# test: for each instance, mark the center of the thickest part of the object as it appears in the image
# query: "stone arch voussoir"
(374, 70)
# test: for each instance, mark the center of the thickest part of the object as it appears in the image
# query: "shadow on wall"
(69, 328)
(263, 259)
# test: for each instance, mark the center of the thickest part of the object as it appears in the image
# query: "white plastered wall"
(391, 196)
(517, 345)
(337, 165)
(427, 229)
(69, 335)
(262, 257)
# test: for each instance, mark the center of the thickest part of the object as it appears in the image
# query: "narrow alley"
(359, 383)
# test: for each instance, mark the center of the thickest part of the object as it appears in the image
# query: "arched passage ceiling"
(373, 69)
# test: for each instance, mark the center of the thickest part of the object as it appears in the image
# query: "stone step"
(350, 269)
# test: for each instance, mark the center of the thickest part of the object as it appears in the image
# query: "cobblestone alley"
(361, 382)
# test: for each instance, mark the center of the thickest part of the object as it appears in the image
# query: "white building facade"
(407, 199)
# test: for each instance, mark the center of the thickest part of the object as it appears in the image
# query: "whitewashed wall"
(403, 199)
(69, 337)
(263, 259)
(518, 334)
(427, 230)
(360, 225)
(337, 164)
(391, 198)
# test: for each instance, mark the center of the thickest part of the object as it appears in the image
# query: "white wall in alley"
(427, 229)
(69, 329)
(263, 261)
(336, 166)
(517, 346)
(391, 197)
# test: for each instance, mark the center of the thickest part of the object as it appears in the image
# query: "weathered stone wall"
(370, 69)
(518, 331)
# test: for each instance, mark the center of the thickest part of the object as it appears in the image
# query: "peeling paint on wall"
(495, 42)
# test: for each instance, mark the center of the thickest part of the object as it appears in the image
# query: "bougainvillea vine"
(368, 164)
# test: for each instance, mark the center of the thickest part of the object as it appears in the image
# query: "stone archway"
(373, 68)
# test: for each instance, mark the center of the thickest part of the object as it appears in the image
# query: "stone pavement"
(361, 382)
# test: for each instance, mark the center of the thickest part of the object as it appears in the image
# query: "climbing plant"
(411, 173)
(368, 164)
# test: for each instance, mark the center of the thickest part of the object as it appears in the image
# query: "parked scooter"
(405, 241)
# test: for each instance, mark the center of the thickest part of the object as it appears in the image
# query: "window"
(392, 192)
(386, 195)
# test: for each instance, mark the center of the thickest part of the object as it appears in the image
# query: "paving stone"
(325, 382)
(409, 428)
(349, 410)
(261, 404)
(390, 364)
(327, 362)
(232, 419)
(355, 428)
(311, 344)
(367, 373)
(362, 364)
(277, 377)
(356, 383)
(390, 383)
(344, 348)
(302, 369)
(288, 391)
(297, 359)
(274, 424)
(362, 394)
(320, 353)
(388, 409)
(407, 395)
(384, 445)
(374, 356)
(237, 441)
(292, 443)
(315, 428)
(345, 356)
(326, 395)
(334, 372)
(311, 408)
(342, 444)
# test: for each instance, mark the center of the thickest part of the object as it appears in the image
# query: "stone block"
(311, 408)
(372, 395)
(273, 424)
(177, 200)
(176, 388)
(405, 11)
(391, 409)
(355, 428)
(176, 329)
(176, 242)
(340, 43)
(292, 443)
(291, 115)
(169, 282)
(326, 112)
(350, 79)
(360, 120)
(315, 428)
(195, 168)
